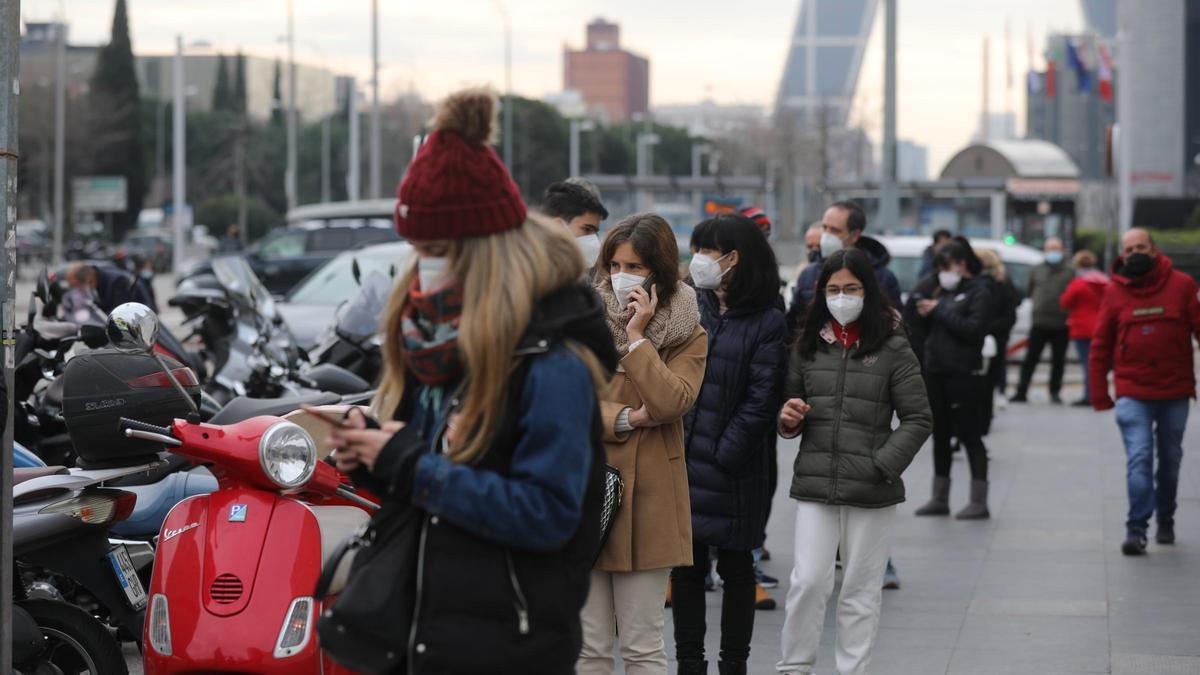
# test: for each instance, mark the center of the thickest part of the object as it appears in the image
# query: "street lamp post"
(353, 179)
(645, 163)
(60, 132)
(508, 92)
(179, 157)
(290, 180)
(375, 180)
(577, 126)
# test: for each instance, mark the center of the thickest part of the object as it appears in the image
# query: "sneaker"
(763, 599)
(1135, 544)
(765, 580)
(1082, 403)
(1055, 399)
(891, 580)
(712, 582)
(1019, 398)
(766, 555)
(1165, 534)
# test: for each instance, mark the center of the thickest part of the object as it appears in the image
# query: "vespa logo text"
(104, 405)
(171, 534)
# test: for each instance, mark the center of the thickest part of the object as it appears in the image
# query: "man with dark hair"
(940, 237)
(843, 225)
(1149, 317)
(575, 203)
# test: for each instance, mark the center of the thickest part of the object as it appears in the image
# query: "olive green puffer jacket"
(849, 453)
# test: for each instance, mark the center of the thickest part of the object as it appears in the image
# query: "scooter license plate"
(127, 576)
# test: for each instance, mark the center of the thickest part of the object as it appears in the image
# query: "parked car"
(33, 241)
(314, 235)
(309, 309)
(153, 244)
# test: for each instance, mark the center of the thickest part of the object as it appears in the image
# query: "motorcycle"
(353, 340)
(235, 570)
(69, 579)
(245, 337)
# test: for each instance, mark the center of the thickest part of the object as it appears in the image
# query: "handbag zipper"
(521, 605)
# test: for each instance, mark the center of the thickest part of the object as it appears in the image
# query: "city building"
(316, 87)
(996, 126)
(711, 119)
(39, 60)
(912, 161)
(614, 83)
(824, 58)
(1073, 105)
(1101, 16)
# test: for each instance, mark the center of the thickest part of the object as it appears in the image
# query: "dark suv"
(314, 235)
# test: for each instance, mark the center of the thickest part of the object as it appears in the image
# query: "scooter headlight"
(287, 454)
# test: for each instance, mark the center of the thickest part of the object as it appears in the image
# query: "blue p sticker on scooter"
(237, 513)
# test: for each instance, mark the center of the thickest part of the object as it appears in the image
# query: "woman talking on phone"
(655, 321)
(493, 360)
(851, 372)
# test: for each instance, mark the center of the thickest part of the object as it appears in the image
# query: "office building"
(614, 83)
(1073, 107)
(824, 59)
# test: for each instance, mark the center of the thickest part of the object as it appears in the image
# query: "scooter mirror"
(42, 291)
(357, 272)
(133, 327)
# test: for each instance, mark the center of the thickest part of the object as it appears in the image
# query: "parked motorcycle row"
(170, 492)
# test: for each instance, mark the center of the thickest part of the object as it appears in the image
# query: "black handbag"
(614, 491)
(366, 627)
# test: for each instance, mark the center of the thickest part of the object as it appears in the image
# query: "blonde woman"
(1006, 298)
(493, 360)
(655, 320)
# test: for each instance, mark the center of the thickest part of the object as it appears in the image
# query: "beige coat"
(653, 528)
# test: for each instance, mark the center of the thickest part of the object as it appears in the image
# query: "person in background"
(492, 427)
(1047, 281)
(927, 256)
(851, 373)
(1082, 301)
(812, 243)
(1148, 320)
(727, 434)
(803, 294)
(843, 225)
(654, 319)
(1006, 299)
(232, 241)
(958, 316)
(113, 286)
(144, 269)
(575, 204)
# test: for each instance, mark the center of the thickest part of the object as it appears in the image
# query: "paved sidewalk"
(1040, 588)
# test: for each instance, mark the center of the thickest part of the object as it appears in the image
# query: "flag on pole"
(1051, 79)
(1105, 72)
(1082, 76)
(1035, 83)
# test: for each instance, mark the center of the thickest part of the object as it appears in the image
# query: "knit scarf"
(671, 325)
(429, 334)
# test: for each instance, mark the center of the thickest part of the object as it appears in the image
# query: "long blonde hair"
(503, 276)
(993, 266)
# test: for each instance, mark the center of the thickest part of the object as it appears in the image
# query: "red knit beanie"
(457, 186)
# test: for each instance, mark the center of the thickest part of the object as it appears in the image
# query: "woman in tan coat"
(655, 322)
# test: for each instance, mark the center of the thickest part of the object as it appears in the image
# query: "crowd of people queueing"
(526, 356)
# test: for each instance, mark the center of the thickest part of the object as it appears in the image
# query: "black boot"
(940, 504)
(977, 509)
(693, 668)
(730, 668)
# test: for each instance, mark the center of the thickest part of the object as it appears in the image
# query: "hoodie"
(1081, 300)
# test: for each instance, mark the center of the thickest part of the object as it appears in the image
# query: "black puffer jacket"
(955, 330)
(728, 430)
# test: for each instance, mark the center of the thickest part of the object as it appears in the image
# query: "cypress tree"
(116, 123)
(277, 96)
(222, 99)
(239, 83)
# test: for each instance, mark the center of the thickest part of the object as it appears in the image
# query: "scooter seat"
(337, 523)
(243, 408)
(22, 475)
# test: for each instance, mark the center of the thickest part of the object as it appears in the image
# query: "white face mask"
(434, 273)
(830, 244)
(845, 308)
(706, 272)
(589, 247)
(623, 284)
(949, 279)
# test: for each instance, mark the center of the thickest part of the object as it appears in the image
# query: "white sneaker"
(1001, 402)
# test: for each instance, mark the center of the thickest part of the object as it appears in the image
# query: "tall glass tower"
(823, 61)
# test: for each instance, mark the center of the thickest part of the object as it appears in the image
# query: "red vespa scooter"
(235, 570)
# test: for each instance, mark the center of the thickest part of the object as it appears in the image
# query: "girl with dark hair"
(956, 320)
(726, 434)
(655, 322)
(850, 373)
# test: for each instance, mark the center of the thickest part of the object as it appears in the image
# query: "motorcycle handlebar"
(136, 425)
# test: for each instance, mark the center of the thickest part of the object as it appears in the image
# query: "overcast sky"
(730, 52)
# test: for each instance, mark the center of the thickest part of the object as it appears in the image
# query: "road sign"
(99, 194)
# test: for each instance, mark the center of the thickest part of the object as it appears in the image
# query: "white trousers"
(864, 536)
(628, 605)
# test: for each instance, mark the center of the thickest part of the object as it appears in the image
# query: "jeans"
(1144, 424)
(958, 411)
(1057, 338)
(864, 536)
(1083, 346)
(737, 608)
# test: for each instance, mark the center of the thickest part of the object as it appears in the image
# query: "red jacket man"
(1148, 317)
